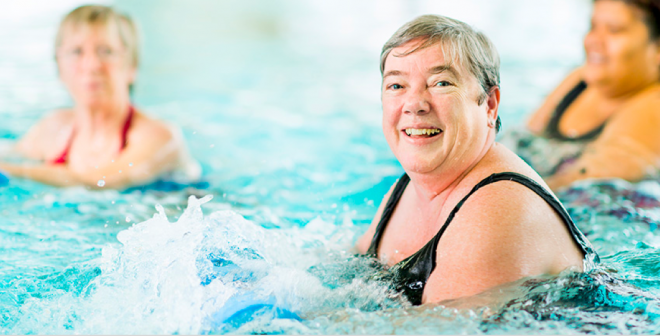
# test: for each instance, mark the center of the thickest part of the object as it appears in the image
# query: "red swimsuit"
(124, 132)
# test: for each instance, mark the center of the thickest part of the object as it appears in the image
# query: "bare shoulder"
(501, 159)
(496, 237)
(503, 232)
(503, 205)
(540, 118)
(644, 105)
(570, 81)
(638, 121)
(48, 135)
(506, 205)
(56, 120)
(146, 128)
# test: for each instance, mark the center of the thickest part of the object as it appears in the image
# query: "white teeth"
(421, 131)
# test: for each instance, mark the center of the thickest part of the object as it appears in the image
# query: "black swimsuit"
(552, 130)
(411, 274)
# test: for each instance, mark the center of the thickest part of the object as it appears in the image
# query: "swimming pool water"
(280, 103)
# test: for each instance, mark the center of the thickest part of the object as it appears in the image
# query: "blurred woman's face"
(94, 65)
(621, 57)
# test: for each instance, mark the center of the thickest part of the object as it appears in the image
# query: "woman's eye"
(104, 51)
(395, 86)
(442, 83)
(614, 30)
(76, 51)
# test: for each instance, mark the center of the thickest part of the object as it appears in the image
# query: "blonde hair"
(471, 48)
(105, 17)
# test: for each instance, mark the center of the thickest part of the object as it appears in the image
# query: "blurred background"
(280, 100)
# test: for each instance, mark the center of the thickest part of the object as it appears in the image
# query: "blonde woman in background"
(103, 140)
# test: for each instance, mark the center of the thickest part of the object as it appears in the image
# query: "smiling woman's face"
(620, 53)
(94, 65)
(432, 120)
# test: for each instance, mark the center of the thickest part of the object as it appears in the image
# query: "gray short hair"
(471, 48)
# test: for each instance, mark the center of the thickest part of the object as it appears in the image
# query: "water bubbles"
(128, 219)
(130, 164)
(100, 183)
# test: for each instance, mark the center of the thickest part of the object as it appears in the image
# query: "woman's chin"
(418, 167)
(595, 76)
(93, 102)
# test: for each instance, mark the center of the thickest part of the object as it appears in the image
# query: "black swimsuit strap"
(387, 214)
(510, 176)
(552, 129)
(412, 273)
(536, 188)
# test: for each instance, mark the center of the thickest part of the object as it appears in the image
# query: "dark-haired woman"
(609, 107)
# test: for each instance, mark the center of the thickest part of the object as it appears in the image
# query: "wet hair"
(471, 48)
(104, 17)
(651, 15)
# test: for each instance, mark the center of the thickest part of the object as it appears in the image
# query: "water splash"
(192, 276)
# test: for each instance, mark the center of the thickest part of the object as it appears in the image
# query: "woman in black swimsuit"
(609, 105)
(468, 214)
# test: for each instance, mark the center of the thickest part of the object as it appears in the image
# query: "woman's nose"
(417, 102)
(91, 61)
(593, 39)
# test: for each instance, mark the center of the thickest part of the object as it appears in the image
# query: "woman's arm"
(47, 136)
(538, 122)
(57, 175)
(628, 148)
(157, 152)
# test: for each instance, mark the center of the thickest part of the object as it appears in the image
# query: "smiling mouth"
(422, 132)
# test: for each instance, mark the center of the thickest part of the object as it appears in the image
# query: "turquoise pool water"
(280, 103)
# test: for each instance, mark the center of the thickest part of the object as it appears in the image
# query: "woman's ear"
(493, 103)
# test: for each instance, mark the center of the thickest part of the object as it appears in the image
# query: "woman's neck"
(621, 93)
(100, 119)
(434, 189)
